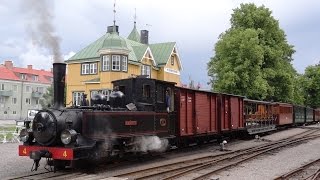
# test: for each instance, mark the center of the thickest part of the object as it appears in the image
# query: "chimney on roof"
(110, 29)
(29, 66)
(144, 36)
(8, 64)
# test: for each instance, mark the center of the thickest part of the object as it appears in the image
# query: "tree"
(253, 57)
(312, 86)
(47, 99)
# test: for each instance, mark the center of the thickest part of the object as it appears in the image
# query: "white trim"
(154, 63)
(178, 57)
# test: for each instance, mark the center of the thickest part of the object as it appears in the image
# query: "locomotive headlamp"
(68, 136)
(25, 135)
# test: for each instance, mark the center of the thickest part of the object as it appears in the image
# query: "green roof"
(134, 35)
(114, 41)
(160, 51)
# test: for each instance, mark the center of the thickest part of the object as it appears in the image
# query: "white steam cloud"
(150, 143)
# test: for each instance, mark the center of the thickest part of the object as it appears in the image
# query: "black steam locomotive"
(135, 119)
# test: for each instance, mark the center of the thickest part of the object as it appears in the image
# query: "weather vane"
(114, 12)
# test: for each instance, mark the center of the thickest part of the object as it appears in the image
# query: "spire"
(114, 16)
(135, 17)
(134, 35)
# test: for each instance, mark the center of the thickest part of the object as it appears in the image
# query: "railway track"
(309, 171)
(198, 168)
(202, 168)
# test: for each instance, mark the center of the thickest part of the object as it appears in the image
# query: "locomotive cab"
(146, 94)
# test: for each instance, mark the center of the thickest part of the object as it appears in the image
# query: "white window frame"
(124, 64)
(85, 68)
(14, 112)
(37, 101)
(40, 89)
(93, 68)
(106, 63)
(23, 76)
(115, 62)
(14, 100)
(1, 87)
(76, 97)
(28, 101)
(146, 70)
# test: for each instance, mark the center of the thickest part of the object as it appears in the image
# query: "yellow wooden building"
(113, 57)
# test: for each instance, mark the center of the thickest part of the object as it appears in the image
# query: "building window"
(35, 78)
(14, 100)
(23, 76)
(145, 70)
(76, 98)
(14, 112)
(28, 101)
(85, 69)
(146, 91)
(2, 87)
(172, 60)
(124, 63)
(15, 88)
(28, 88)
(37, 101)
(106, 63)
(93, 68)
(2, 100)
(115, 63)
(89, 68)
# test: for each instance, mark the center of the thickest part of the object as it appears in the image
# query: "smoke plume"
(150, 143)
(40, 26)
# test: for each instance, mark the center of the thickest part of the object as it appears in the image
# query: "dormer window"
(23, 76)
(115, 62)
(124, 66)
(106, 63)
(35, 78)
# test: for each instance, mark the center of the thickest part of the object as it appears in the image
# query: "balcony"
(6, 93)
(36, 94)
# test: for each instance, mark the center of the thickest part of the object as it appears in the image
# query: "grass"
(7, 131)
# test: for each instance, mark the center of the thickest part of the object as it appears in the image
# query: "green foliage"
(311, 84)
(47, 98)
(253, 57)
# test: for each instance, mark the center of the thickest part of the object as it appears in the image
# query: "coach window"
(146, 91)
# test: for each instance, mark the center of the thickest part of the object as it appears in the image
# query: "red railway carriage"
(317, 115)
(284, 113)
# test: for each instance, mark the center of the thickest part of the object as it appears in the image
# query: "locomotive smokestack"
(59, 73)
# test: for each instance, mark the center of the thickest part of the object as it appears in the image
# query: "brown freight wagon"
(230, 112)
(205, 113)
(284, 113)
(197, 112)
(317, 115)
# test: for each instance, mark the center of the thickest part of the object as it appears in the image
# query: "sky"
(194, 25)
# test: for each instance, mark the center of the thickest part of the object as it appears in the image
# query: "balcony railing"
(6, 93)
(36, 94)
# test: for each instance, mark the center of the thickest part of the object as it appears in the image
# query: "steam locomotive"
(136, 119)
